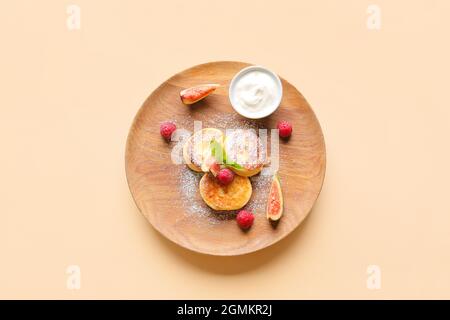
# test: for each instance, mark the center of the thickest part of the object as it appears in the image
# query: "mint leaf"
(234, 165)
(217, 151)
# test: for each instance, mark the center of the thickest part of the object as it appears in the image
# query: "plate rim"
(224, 254)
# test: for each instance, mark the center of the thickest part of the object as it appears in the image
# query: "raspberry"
(245, 219)
(225, 176)
(166, 129)
(284, 129)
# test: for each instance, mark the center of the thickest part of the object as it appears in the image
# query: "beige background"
(68, 98)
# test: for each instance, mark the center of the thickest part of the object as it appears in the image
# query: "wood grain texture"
(152, 177)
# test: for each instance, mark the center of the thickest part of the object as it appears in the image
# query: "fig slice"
(274, 209)
(194, 94)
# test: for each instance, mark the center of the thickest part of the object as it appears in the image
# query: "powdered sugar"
(221, 121)
(191, 200)
(188, 181)
(197, 210)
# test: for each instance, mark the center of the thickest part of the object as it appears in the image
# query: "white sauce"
(256, 93)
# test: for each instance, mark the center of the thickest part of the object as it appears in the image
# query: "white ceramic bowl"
(268, 110)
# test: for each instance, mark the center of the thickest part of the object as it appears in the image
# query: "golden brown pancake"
(230, 197)
(243, 146)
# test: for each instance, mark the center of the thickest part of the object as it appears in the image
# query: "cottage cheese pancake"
(196, 150)
(230, 197)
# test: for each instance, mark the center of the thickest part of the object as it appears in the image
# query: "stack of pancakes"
(243, 153)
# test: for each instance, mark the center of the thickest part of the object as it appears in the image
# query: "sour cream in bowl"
(255, 92)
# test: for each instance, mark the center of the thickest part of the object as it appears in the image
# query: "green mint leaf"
(234, 165)
(217, 151)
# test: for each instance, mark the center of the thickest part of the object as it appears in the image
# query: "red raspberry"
(245, 219)
(225, 176)
(166, 129)
(284, 129)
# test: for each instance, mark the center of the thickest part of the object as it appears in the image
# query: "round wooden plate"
(167, 193)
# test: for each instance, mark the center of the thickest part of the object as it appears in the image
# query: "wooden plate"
(167, 193)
